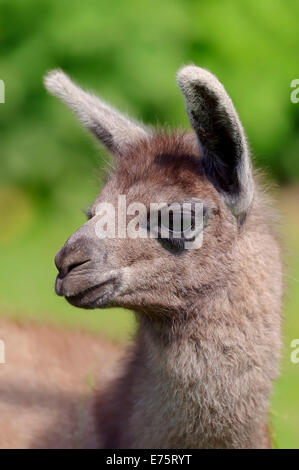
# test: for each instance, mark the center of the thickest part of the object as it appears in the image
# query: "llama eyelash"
(173, 234)
(88, 213)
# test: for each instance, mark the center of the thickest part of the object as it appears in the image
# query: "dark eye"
(178, 223)
(174, 225)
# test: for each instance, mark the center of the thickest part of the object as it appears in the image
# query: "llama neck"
(190, 374)
(166, 378)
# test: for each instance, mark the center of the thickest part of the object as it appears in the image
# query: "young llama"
(200, 371)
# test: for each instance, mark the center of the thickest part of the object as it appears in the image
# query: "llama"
(206, 352)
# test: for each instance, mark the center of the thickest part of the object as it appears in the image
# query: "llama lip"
(95, 296)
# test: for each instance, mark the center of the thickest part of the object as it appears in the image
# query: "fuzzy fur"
(47, 386)
(113, 129)
(206, 352)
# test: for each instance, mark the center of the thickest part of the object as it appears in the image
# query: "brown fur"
(46, 386)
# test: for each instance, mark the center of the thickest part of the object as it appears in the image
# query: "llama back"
(47, 386)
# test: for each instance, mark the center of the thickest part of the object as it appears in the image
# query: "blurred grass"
(129, 53)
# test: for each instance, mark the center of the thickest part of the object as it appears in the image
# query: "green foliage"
(128, 51)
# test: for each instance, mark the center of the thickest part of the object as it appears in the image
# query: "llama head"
(154, 263)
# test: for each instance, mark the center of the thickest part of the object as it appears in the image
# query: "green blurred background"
(128, 52)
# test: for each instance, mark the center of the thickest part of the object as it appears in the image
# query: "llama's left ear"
(226, 159)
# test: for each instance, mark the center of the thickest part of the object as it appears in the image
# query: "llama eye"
(176, 224)
(187, 222)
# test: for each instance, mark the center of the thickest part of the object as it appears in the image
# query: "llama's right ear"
(226, 160)
(116, 131)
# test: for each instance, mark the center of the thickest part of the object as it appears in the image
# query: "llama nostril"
(75, 253)
(75, 265)
(66, 268)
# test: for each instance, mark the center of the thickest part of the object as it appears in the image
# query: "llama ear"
(226, 158)
(116, 131)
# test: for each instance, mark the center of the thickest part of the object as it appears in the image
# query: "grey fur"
(116, 131)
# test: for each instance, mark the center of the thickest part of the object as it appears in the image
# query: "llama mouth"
(97, 296)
